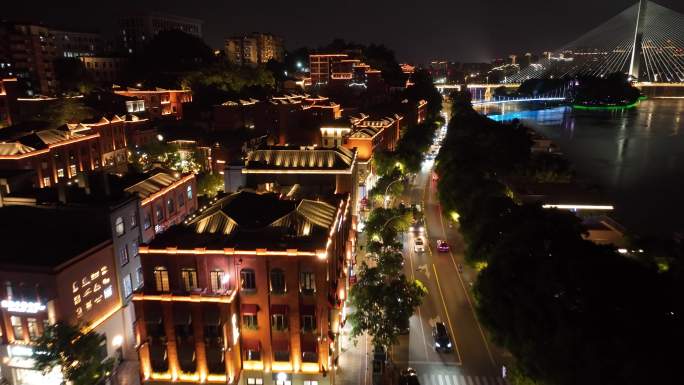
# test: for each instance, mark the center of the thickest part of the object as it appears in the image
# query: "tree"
(210, 184)
(383, 305)
(73, 77)
(63, 111)
(80, 355)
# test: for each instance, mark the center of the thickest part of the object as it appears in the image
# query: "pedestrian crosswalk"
(457, 379)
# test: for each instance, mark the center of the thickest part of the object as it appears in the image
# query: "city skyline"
(450, 34)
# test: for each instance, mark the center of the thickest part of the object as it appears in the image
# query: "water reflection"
(637, 155)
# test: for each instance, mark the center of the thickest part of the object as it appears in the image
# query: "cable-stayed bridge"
(645, 41)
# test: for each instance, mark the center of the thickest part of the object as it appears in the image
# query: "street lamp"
(387, 190)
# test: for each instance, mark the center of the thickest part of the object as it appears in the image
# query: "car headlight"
(437, 344)
(449, 345)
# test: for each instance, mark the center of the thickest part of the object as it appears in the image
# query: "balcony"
(196, 295)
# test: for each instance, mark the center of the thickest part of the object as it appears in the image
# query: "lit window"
(161, 278)
(249, 321)
(17, 327)
(123, 255)
(119, 226)
(72, 169)
(189, 277)
(60, 173)
(128, 286)
(216, 277)
(310, 382)
(33, 332)
(189, 189)
(255, 381)
(108, 291)
(46, 181)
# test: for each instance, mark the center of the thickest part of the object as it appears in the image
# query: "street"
(473, 360)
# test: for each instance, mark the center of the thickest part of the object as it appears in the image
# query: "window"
(255, 381)
(249, 321)
(33, 332)
(161, 278)
(279, 321)
(134, 249)
(134, 221)
(17, 328)
(127, 286)
(159, 213)
(60, 173)
(72, 169)
(189, 190)
(119, 226)
(307, 282)
(181, 200)
(146, 222)
(308, 323)
(310, 382)
(189, 276)
(170, 206)
(46, 181)
(216, 277)
(140, 276)
(123, 255)
(247, 279)
(277, 281)
(281, 355)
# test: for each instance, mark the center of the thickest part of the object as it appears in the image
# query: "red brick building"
(247, 292)
(165, 200)
(59, 155)
(160, 102)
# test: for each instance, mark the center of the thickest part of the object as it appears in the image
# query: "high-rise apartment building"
(138, 30)
(253, 49)
(28, 52)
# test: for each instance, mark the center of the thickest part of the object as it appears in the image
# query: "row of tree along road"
(569, 311)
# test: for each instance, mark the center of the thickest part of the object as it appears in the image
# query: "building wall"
(161, 103)
(105, 69)
(257, 48)
(76, 44)
(31, 51)
(151, 225)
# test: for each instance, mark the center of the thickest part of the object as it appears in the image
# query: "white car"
(419, 245)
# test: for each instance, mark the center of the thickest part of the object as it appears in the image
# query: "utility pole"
(635, 63)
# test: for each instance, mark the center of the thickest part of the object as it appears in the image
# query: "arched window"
(119, 226)
(247, 279)
(161, 278)
(277, 281)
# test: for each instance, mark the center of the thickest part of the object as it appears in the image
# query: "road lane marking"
(420, 317)
(465, 292)
(453, 336)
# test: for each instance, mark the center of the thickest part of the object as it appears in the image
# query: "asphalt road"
(473, 360)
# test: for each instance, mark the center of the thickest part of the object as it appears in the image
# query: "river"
(636, 155)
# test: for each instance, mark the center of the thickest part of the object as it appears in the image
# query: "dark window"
(123, 255)
(279, 321)
(247, 279)
(170, 206)
(278, 281)
(307, 282)
(181, 200)
(249, 321)
(308, 323)
(281, 355)
(146, 222)
(159, 212)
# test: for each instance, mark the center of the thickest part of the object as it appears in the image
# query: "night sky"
(418, 31)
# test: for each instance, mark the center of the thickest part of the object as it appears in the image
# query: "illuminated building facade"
(76, 43)
(70, 276)
(159, 102)
(255, 48)
(60, 155)
(105, 69)
(8, 101)
(166, 199)
(138, 30)
(30, 51)
(248, 292)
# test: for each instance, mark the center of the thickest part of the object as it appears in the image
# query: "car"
(418, 226)
(442, 246)
(442, 338)
(408, 376)
(419, 245)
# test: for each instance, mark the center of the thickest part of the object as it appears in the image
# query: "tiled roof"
(14, 149)
(303, 158)
(153, 184)
(366, 132)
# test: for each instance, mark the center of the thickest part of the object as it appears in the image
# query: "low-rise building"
(105, 69)
(158, 102)
(69, 275)
(166, 199)
(248, 292)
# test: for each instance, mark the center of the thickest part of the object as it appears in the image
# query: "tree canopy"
(80, 355)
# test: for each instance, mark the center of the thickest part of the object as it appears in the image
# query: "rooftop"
(158, 181)
(44, 238)
(302, 158)
(247, 220)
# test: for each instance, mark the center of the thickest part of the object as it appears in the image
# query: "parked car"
(442, 246)
(419, 245)
(441, 337)
(408, 377)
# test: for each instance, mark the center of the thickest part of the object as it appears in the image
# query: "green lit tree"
(81, 356)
